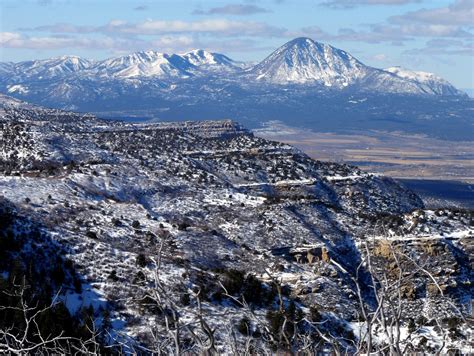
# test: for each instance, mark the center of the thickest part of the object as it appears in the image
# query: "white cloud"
(6, 37)
(17, 40)
(220, 27)
(217, 27)
(168, 43)
(451, 21)
(378, 35)
(459, 13)
(443, 47)
(418, 30)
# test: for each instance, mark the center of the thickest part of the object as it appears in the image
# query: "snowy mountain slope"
(51, 68)
(146, 64)
(388, 83)
(305, 61)
(429, 82)
(220, 207)
(143, 64)
(211, 61)
(6, 67)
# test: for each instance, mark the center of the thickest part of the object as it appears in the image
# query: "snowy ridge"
(211, 61)
(51, 68)
(135, 65)
(139, 64)
(429, 82)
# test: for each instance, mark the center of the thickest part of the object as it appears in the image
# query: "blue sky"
(430, 35)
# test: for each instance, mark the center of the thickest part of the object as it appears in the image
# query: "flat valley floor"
(441, 172)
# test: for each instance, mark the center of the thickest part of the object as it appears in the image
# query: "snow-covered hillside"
(204, 231)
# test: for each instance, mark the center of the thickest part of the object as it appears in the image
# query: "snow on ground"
(203, 206)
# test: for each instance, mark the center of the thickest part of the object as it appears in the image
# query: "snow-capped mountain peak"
(303, 60)
(144, 64)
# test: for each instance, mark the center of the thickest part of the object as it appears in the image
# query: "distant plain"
(439, 171)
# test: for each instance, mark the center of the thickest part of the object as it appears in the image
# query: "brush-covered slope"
(204, 231)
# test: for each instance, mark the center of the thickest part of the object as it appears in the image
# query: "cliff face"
(202, 221)
(210, 128)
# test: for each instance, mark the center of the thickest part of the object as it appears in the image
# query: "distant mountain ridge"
(137, 64)
(301, 61)
(303, 83)
(49, 68)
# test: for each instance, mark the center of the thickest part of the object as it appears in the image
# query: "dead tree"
(169, 340)
(29, 338)
(387, 313)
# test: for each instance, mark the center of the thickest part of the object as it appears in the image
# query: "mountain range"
(303, 83)
(301, 61)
